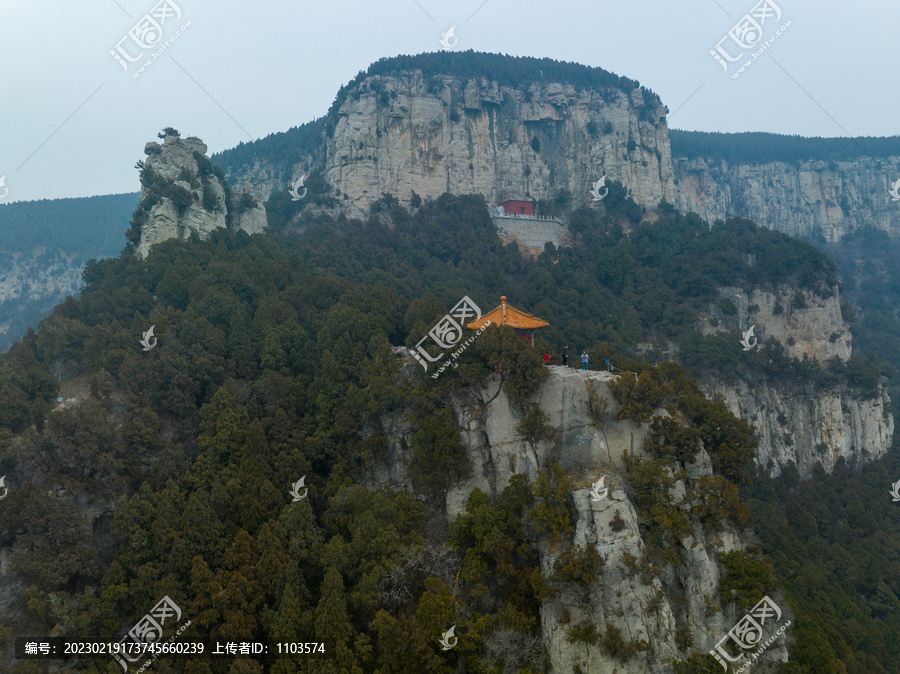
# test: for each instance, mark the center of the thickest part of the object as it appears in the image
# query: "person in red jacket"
(547, 358)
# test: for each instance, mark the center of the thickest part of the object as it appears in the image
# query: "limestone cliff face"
(644, 607)
(404, 134)
(180, 198)
(793, 425)
(263, 177)
(803, 199)
(810, 428)
(806, 323)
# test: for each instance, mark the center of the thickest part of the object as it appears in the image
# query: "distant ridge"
(761, 148)
(93, 226)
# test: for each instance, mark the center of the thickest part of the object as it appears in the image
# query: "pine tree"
(333, 626)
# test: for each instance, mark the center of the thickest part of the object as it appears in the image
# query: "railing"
(520, 216)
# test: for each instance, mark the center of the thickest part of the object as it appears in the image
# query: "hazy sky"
(73, 122)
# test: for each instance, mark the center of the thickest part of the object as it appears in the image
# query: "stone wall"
(530, 231)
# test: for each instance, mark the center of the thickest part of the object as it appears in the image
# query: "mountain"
(457, 501)
(279, 465)
(813, 188)
(424, 125)
(436, 123)
(44, 246)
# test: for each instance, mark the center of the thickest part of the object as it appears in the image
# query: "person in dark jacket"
(565, 356)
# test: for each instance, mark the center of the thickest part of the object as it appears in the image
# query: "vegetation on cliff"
(274, 362)
(505, 70)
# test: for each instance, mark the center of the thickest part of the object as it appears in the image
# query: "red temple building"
(513, 207)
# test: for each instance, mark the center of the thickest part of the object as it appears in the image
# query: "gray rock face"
(265, 178)
(805, 323)
(643, 606)
(33, 282)
(252, 221)
(403, 134)
(803, 199)
(535, 232)
(801, 427)
(810, 429)
(203, 206)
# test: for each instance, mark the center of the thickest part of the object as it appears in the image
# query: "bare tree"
(514, 650)
(58, 367)
(414, 565)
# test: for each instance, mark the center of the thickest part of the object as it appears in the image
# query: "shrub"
(584, 632)
(746, 580)
(552, 513)
(683, 638)
(535, 425)
(727, 307)
(640, 394)
(598, 407)
(522, 369)
(613, 645)
(670, 439)
(698, 663)
(665, 523)
(438, 453)
(717, 499)
(579, 565)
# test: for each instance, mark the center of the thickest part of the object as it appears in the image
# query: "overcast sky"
(73, 122)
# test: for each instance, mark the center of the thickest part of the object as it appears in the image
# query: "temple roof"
(506, 315)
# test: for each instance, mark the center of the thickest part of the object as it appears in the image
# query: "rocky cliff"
(649, 609)
(807, 324)
(181, 195)
(795, 423)
(804, 199)
(405, 133)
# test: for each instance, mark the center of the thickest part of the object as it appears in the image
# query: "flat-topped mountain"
(499, 126)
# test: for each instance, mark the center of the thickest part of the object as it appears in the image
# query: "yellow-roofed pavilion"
(507, 315)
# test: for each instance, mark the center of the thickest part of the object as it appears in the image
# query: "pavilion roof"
(507, 315)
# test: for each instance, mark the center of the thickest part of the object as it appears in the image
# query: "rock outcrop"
(404, 134)
(181, 195)
(793, 424)
(805, 199)
(646, 608)
(810, 428)
(807, 324)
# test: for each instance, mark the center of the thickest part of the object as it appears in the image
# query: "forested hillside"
(282, 148)
(274, 354)
(759, 148)
(86, 226)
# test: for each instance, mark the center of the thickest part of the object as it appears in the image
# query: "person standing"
(565, 356)
(547, 358)
(584, 360)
